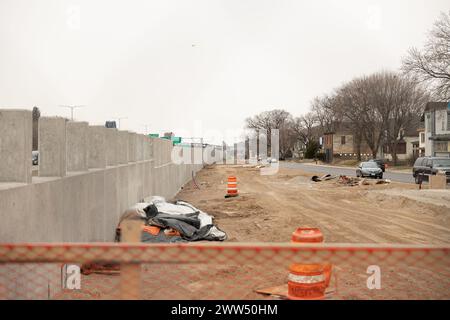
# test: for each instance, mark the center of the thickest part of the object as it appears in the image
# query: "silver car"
(369, 169)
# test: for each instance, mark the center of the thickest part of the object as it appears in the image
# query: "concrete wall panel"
(97, 146)
(112, 147)
(15, 146)
(86, 206)
(77, 146)
(52, 147)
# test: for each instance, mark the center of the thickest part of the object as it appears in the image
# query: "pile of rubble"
(350, 181)
(356, 181)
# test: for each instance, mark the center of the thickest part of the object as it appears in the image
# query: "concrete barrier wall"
(87, 177)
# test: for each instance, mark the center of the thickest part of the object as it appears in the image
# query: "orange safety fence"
(218, 271)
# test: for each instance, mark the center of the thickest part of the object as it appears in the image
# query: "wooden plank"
(130, 273)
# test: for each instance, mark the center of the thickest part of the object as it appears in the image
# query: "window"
(443, 120)
(422, 137)
(418, 162)
(439, 163)
(428, 123)
(401, 148)
(342, 139)
(448, 120)
(440, 146)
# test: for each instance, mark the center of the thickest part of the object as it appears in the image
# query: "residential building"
(407, 144)
(437, 129)
(341, 143)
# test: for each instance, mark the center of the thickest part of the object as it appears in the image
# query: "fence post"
(130, 273)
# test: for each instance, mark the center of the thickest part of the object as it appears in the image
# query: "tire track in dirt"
(361, 215)
(371, 225)
(271, 207)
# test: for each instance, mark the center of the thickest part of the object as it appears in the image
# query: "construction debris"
(172, 222)
(100, 268)
(281, 292)
(323, 178)
(349, 181)
(355, 181)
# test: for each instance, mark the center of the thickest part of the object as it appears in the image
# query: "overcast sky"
(194, 66)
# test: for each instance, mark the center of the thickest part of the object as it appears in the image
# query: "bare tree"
(351, 104)
(410, 100)
(431, 65)
(274, 119)
(324, 109)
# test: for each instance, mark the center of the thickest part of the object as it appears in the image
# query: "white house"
(437, 129)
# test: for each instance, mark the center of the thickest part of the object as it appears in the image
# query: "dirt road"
(269, 208)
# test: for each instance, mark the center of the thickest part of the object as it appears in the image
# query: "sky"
(196, 67)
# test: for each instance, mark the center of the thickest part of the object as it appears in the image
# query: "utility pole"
(71, 108)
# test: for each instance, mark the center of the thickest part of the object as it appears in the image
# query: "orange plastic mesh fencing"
(217, 271)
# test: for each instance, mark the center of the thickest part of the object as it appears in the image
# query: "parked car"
(369, 169)
(35, 158)
(424, 167)
(380, 163)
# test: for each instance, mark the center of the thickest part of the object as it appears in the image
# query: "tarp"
(191, 223)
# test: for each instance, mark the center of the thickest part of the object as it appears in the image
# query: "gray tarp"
(192, 223)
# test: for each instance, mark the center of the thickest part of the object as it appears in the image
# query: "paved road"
(394, 176)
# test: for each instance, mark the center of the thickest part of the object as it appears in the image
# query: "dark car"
(380, 163)
(424, 167)
(369, 169)
(35, 157)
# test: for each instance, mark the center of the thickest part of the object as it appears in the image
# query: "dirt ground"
(269, 208)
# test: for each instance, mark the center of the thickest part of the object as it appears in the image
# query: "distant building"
(437, 129)
(407, 144)
(341, 143)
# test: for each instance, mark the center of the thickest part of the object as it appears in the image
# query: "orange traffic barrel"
(306, 236)
(306, 282)
(232, 190)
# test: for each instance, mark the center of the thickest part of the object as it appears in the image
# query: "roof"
(432, 106)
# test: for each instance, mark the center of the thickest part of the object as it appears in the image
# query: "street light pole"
(146, 126)
(71, 108)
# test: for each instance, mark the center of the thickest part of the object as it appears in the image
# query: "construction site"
(224, 150)
(139, 224)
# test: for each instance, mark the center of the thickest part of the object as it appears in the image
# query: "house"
(341, 143)
(437, 129)
(408, 144)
